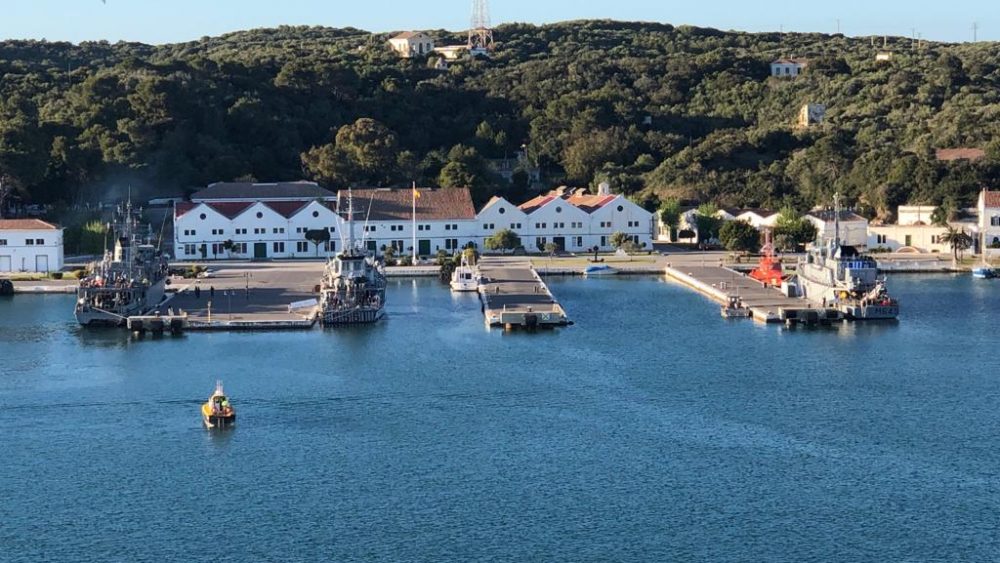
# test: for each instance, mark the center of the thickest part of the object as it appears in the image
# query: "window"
(501, 211)
(578, 242)
(315, 214)
(3, 242)
(447, 228)
(260, 215)
(278, 247)
(392, 228)
(515, 225)
(908, 240)
(934, 239)
(881, 239)
(217, 231)
(39, 241)
(451, 244)
(217, 249)
(190, 249)
(240, 247)
(995, 221)
(488, 226)
(30, 242)
(540, 242)
(302, 246)
(202, 216)
(241, 231)
(604, 241)
(333, 229)
(558, 209)
(278, 230)
(259, 231)
(620, 209)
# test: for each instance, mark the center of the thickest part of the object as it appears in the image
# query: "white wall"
(16, 255)
(852, 233)
(924, 238)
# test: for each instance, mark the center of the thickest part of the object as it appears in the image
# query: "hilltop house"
(788, 68)
(412, 44)
(811, 114)
(30, 245)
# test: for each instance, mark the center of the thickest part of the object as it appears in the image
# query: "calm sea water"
(651, 430)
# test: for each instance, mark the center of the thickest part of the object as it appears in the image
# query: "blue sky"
(166, 21)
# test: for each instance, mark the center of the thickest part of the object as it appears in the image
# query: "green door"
(259, 250)
(372, 246)
(424, 247)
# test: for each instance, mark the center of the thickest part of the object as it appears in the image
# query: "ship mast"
(836, 219)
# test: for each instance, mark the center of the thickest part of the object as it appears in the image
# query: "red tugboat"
(768, 271)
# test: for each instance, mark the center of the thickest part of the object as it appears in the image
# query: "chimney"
(604, 189)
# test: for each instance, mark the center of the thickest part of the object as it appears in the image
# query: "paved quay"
(514, 295)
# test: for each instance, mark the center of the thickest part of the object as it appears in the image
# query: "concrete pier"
(514, 296)
(766, 304)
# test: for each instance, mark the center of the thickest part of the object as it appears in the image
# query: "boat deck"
(514, 296)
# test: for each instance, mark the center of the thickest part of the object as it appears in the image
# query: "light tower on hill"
(480, 34)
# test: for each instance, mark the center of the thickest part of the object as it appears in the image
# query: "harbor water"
(652, 430)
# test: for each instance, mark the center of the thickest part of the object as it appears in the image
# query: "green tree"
(958, 240)
(318, 237)
(670, 215)
(364, 152)
(706, 222)
(618, 239)
(792, 230)
(503, 240)
(739, 236)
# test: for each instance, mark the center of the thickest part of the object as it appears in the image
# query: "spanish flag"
(416, 193)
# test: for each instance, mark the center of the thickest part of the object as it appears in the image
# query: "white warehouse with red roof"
(30, 245)
(267, 221)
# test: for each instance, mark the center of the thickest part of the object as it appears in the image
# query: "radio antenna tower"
(480, 34)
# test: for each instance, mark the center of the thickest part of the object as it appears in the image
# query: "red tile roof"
(286, 208)
(590, 203)
(949, 155)
(535, 202)
(397, 204)
(991, 199)
(26, 225)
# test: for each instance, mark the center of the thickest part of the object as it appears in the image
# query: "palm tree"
(958, 239)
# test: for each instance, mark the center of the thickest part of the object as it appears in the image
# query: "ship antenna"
(350, 220)
(367, 217)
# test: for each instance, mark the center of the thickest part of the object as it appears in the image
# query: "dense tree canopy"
(658, 111)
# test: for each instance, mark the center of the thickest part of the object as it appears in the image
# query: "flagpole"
(413, 195)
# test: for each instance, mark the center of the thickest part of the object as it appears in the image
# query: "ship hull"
(100, 318)
(351, 317)
(829, 296)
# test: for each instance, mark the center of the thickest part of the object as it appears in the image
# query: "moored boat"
(217, 412)
(840, 277)
(599, 271)
(464, 277)
(984, 273)
(768, 270)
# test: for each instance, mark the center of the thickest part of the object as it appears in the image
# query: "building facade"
(576, 221)
(788, 68)
(853, 227)
(412, 44)
(30, 245)
(989, 221)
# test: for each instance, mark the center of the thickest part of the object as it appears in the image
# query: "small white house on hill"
(30, 245)
(412, 44)
(788, 68)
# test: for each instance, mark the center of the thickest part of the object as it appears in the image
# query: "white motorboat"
(464, 277)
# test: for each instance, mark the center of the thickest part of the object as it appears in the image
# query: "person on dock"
(211, 291)
(197, 291)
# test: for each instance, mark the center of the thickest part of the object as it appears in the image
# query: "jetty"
(514, 296)
(766, 304)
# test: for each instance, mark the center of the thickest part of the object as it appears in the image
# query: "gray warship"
(130, 280)
(353, 286)
(841, 277)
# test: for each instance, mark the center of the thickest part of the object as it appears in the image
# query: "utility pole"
(838, 26)
(975, 31)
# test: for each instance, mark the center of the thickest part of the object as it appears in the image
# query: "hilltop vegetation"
(658, 111)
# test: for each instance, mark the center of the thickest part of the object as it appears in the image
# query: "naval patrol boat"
(839, 276)
(129, 281)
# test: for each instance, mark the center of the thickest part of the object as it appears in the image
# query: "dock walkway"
(766, 304)
(514, 295)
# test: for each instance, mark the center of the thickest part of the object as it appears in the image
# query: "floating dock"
(514, 296)
(766, 304)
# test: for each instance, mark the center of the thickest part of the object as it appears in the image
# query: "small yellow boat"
(217, 412)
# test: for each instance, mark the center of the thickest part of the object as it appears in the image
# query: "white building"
(445, 220)
(915, 214)
(412, 44)
(883, 56)
(853, 227)
(788, 68)
(989, 221)
(811, 114)
(260, 221)
(577, 221)
(908, 238)
(30, 245)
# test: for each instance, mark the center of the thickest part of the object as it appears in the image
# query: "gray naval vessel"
(835, 275)
(130, 280)
(353, 286)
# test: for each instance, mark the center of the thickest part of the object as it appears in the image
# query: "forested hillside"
(658, 111)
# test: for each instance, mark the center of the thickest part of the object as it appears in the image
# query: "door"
(560, 242)
(372, 246)
(5, 263)
(424, 247)
(260, 250)
(42, 263)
